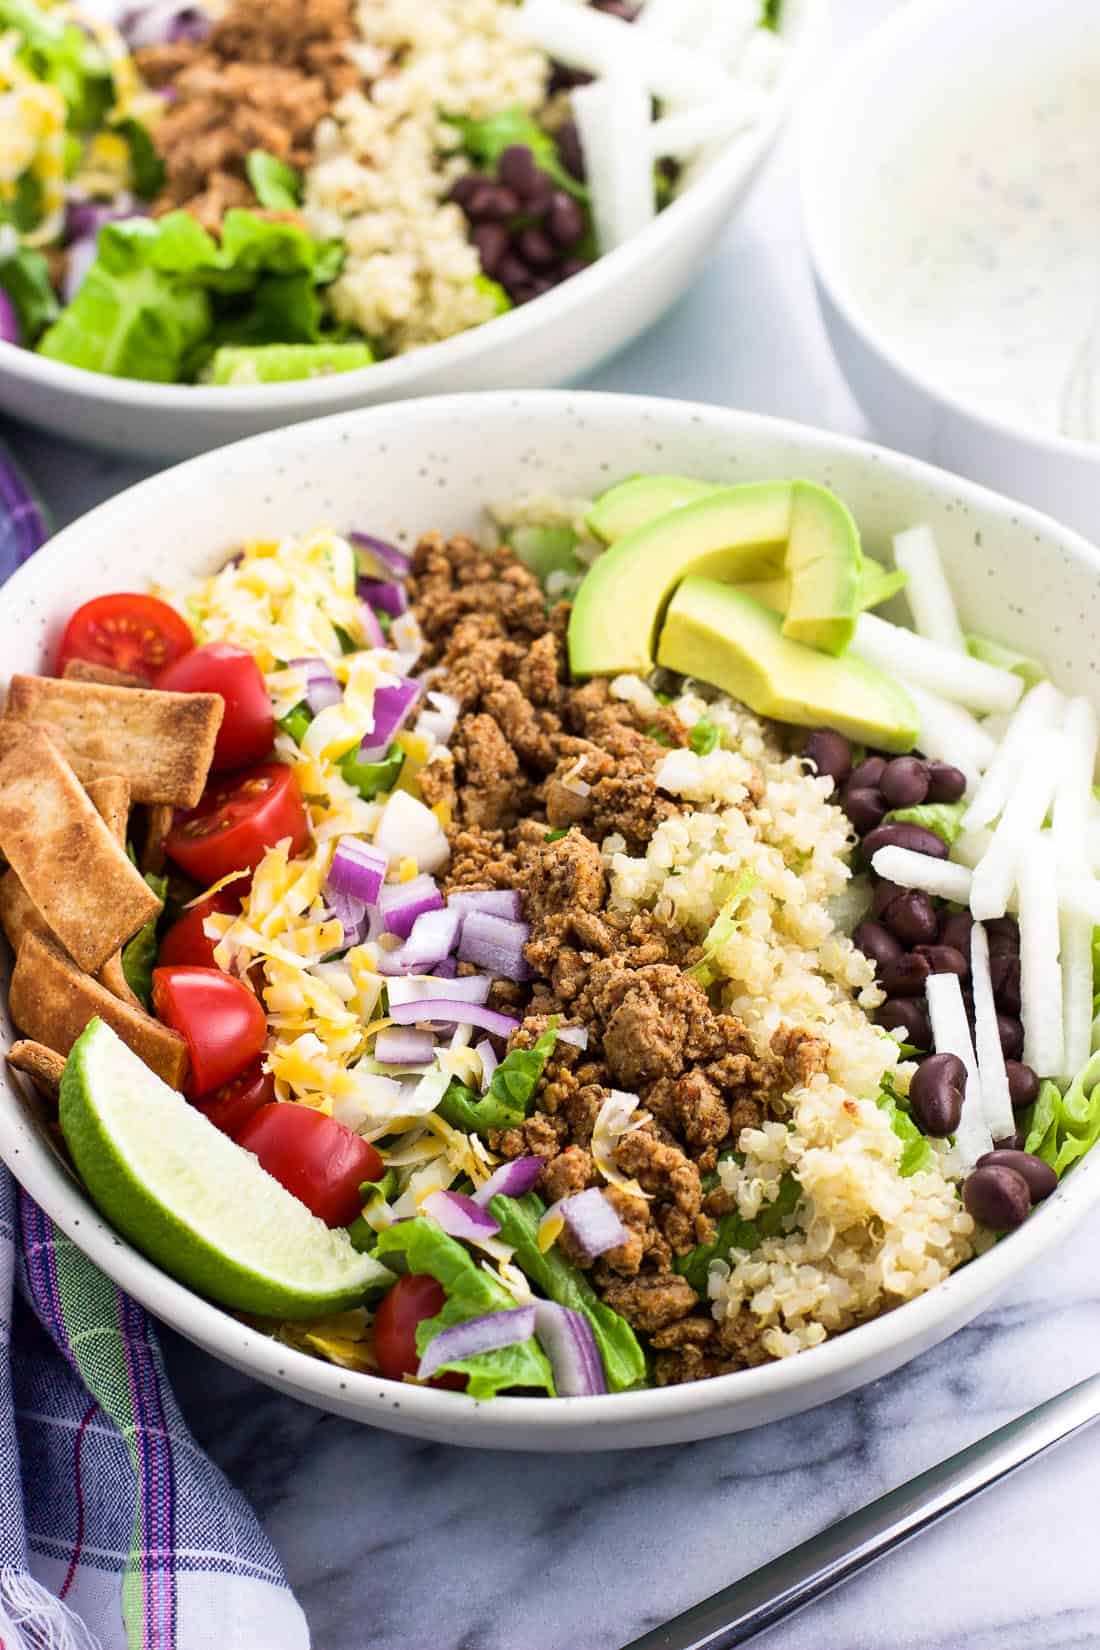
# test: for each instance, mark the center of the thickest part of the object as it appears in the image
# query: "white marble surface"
(394, 1545)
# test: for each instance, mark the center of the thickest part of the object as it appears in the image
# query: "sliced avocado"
(824, 566)
(642, 499)
(735, 533)
(724, 637)
(879, 584)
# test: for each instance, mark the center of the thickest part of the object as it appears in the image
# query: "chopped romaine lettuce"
(511, 1091)
(139, 955)
(944, 819)
(546, 550)
(735, 1232)
(486, 140)
(146, 166)
(721, 930)
(277, 186)
(623, 1359)
(917, 1153)
(493, 289)
(1006, 658)
(704, 737)
(471, 1292)
(1063, 1127)
(25, 277)
(769, 14)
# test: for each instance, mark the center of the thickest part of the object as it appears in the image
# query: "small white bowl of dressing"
(951, 191)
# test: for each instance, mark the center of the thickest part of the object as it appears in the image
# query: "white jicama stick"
(948, 733)
(731, 26)
(1041, 708)
(951, 1035)
(1040, 970)
(954, 676)
(613, 124)
(685, 133)
(928, 592)
(602, 45)
(996, 1099)
(1073, 803)
(1022, 815)
(969, 847)
(913, 870)
(674, 19)
(1075, 937)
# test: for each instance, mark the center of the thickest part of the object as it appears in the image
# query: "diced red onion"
(408, 827)
(388, 559)
(79, 258)
(10, 332)
(460, 1216)
(592, 1222)
(439, 721)
(163, 23)
(487, 1334)
(376, 636)
(567, 1339)
(358, 869)
(446, 970)
(84, 219)
(403, 1046)
(498, 902)
(386, 594)
(577, 1035)
(402, 902)
(351, 914)
(424, 989)
(453, 1011)
(322, 690)
(512, 1179)
(489, 1062)
(495, 943)
(391, 706)
(432, 938)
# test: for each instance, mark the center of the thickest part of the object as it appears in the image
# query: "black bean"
(944, 959)
(565, 223)
(904, 782)
(512, 271)
(911, 918)
(997, 1196)
(467, 186)
(945, 783)
(1012, 1036)
(492, 203)
(1023, 1084)
(866, 774)
(1011, 1142)
(877, 942)
(491, 240)
(540, 284)
(1003, 934)
(905, 976)
(830, 753)
(536, 249)
(883, 893)
(936, 1094)
(572, 266)
(955, 929)
(913, 837)
(569, 149)
(907, 1014)
(1040, 1177)
(1004, 971)
(865, 807)
(518, 169)
(616, 8)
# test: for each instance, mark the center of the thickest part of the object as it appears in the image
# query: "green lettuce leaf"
(623, 1358)
(146, 166)
(25, 277)
(769, 14)
(721, 930)
(511, 1092)
(734, 1232)
(277, 185)
(917, 1153)
(141, 325)
(139, 955)
(944, 819)
(1063, 1127)
(493, 289)
(486, 140)
(704, 737)
(471, 1293)
(1006, 658)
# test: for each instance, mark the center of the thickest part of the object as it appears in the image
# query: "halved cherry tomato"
(130, 632)
(413, 1298)
(185, 945)
(247, 732)
(230, 1107)
(224, 1025)
(315, 1157)
(239, 818)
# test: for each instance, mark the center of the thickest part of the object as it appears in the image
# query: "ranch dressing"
(978, 254)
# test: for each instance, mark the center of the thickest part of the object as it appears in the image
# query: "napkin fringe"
(32, 1619)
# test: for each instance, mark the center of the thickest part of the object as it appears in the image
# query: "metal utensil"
(794, 1580)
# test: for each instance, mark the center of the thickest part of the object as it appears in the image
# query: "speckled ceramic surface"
(401, 470)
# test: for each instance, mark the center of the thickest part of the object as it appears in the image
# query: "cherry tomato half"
(185, 945)
(239, 818)
(224, 1025)
(247, 732)
(138, 634)
(315, 1157)
(230, 1107)
(413, 1298)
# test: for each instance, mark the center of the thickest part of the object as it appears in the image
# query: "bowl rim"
(740, 160)
(859, 67)
(790, 1383)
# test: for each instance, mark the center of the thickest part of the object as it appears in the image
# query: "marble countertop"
(397, 1545)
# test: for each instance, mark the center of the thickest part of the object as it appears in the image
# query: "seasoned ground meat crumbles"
(584, 797)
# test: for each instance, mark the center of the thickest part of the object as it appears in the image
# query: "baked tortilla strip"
(18, 912)
(82, 882)
(112, 801)
(158, 824)
(82, 670)
(41, 1064)
(51, 1001)
(162, 743)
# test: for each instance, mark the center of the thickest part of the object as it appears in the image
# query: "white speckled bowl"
(555, 338)
(400, 470)
(891, 92)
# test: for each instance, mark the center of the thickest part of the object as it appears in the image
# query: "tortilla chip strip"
(81, 670)
(19, 915)
(41, 1064)
(76, 873)
(112, 800)
(158, 824)
(51, 1001)
(161, 742)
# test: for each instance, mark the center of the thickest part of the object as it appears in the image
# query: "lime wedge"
(282, 363)
(192, 1199)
